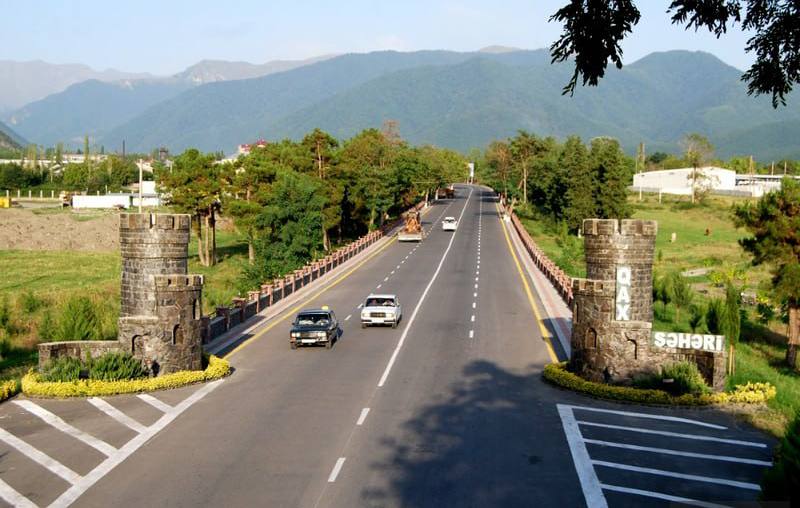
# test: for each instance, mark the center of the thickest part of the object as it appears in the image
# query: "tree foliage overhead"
(593, 30)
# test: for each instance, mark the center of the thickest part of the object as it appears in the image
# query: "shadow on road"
(490, 441)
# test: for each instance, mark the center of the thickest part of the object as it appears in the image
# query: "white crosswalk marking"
(116, 414)
(161, 406)
(65, 427)
(13, 497)
(39, 457)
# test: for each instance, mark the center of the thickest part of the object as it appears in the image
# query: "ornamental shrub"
(115, 366)
(78, 320)
(61, 369)
(676, 379)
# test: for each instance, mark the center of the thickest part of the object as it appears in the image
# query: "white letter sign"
(623, 300)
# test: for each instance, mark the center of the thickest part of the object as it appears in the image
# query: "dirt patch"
(59, 230)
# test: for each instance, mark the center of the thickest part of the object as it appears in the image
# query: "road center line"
(336, 469)
(362, 416)
(471, 334)
(421, 300)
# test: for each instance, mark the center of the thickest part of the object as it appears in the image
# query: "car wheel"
(293, 345)
(363, 325)
(329, 344)
(394, 324)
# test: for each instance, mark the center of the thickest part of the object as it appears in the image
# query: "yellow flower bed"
(8, 389)
(750, 393)
(32, 386)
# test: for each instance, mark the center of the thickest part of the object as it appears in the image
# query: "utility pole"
(140, 185)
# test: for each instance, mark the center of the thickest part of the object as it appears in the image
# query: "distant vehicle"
(449, 224)
(381, 309)
(447, 192)
(314, 326)
(412, 229)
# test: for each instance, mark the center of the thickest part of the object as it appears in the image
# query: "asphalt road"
(449, 409)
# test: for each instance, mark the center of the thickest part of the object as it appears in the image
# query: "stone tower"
(612, 315)
(613, 307)
(160, 316)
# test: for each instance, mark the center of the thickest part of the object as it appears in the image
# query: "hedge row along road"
(449, 409)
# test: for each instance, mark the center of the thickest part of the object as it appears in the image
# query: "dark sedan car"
(314, 326)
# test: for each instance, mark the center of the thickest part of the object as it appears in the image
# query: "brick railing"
(241, 309)
(560, 280)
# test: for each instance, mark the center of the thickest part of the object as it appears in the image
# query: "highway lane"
(461, 418)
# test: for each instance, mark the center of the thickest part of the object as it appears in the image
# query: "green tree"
(731, 317)
(78, 320)
(680, 293)
(697, 151)
(193, 186)
(581, 183)
(321, 147)
(369, 156)
(774, 222)
(695, 317)
(614, 175)
(289, 227)
(715, 312)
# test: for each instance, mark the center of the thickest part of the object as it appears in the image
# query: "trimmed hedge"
(750, 393)
(8, 389)
(32, 385)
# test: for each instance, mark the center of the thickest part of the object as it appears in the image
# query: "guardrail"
(560, 280)
(243, 308)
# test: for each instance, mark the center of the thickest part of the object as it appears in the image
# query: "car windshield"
(449, 220)
(380, 302)
(316, 319)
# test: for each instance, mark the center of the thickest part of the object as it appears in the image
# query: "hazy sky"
(164, 37)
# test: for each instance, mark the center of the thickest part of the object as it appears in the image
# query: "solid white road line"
(13, 497)
(74, 492)
(116, 414)
(65, 427)
(161, 406)
(683, 476)
(336, 468)
(590, 485)
(39, 457)
(648, 415)
(680, 453)
(421, 299)
(659, 495)
(362, 416)
(675, 434)
(348, 317)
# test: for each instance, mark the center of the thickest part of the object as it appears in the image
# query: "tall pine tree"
(581, 183)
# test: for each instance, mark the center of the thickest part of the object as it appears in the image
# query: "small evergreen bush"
(714, 316)
(115, 366)
(78, 320)
(47, 327)
(64, 368)
(29, 302)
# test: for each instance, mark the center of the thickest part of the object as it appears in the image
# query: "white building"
(716, 180)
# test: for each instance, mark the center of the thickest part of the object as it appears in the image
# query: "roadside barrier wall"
(560, 280)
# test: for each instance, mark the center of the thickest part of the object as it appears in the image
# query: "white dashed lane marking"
(362, 416)
(348, 317)
(336, 469)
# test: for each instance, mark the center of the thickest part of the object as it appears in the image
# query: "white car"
(449, 224)
(381, 309)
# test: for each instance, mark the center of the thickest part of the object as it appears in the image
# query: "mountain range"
(458, 100)
(10, 140)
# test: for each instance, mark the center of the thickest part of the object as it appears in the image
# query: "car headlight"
(295, 335)
(321, 334)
